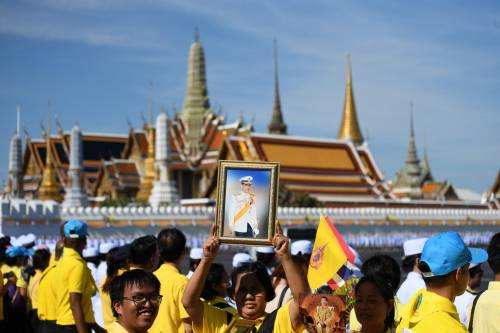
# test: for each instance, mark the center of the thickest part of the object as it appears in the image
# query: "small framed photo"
(247, 195)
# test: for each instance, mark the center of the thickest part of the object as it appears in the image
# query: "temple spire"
(15, 177)
(409, 178)
(164, 191)
(277, 124)
(196, 104)
(75, 194)
(349, 127)
(149, 170)
(50, 187)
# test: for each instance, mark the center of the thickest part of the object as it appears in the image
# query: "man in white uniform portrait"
(243, 220)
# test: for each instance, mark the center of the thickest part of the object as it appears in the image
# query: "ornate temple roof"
(325, 169)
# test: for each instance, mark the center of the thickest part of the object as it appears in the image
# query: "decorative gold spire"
(349, 127)
(50, 188)
(149, 169)
(277, 124)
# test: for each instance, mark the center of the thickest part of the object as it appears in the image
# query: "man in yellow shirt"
(73, 284)
(135, 297)
(172, 317)
(484, 313)
(143, 254)
(46, 301)
(444, 265)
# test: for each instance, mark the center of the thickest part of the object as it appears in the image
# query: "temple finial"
(277, 124)
(196, 35)
(150, 105)
(18, 127)
(349, 127)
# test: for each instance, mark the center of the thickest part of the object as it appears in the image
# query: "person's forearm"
(76, 309)
(296, 280)
(194, 288)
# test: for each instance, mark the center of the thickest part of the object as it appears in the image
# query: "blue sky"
(94, 60)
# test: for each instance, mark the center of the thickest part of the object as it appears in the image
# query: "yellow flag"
(329, 254)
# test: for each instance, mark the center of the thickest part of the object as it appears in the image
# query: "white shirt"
(244, 215)
(462, 303)
(101, 272)
(410, 286)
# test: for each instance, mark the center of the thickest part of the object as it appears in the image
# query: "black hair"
(261, 273)
(135, 277)
(494, 253)
(172, 244)
(41, 259)
(385, 268)
(475, 270)
(386, 291)
(434, 281)
(142, 249)
(279, 271)
(215, 275)
(116, 259)
(265, 258)
(408, 262)
(324, 289)
(193, 263)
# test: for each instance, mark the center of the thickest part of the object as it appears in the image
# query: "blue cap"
(446, 252)
(75, 229)
(17, 251)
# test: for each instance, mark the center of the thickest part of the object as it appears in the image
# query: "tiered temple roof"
(325, 169)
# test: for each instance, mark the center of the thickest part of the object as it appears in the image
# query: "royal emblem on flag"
(317, 257)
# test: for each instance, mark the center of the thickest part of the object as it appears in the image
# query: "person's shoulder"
(444, 322)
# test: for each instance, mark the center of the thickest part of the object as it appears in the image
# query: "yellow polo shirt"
(215, 321)
(107, 313)
(487, 312)
(115, 327)
(429, 312)
(171, 311)
(46, 300)
(71, 275)
(33, 287)
(21, 282)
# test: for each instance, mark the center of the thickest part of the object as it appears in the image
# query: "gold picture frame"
(247, 199)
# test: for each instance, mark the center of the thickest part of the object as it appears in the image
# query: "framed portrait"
(246, 202)
(324, 313)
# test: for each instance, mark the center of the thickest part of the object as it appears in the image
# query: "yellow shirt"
(115, 327)
(215, 321)
(487, 312)
(107, 313)
(21, 282)
(355, 325)
(171, 311)
(72, 275)
(46, 300)
(429, 312)
(33, 287)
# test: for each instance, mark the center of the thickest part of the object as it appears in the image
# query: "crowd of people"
(138, 287)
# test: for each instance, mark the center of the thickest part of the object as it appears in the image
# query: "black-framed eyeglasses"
(141, 300)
